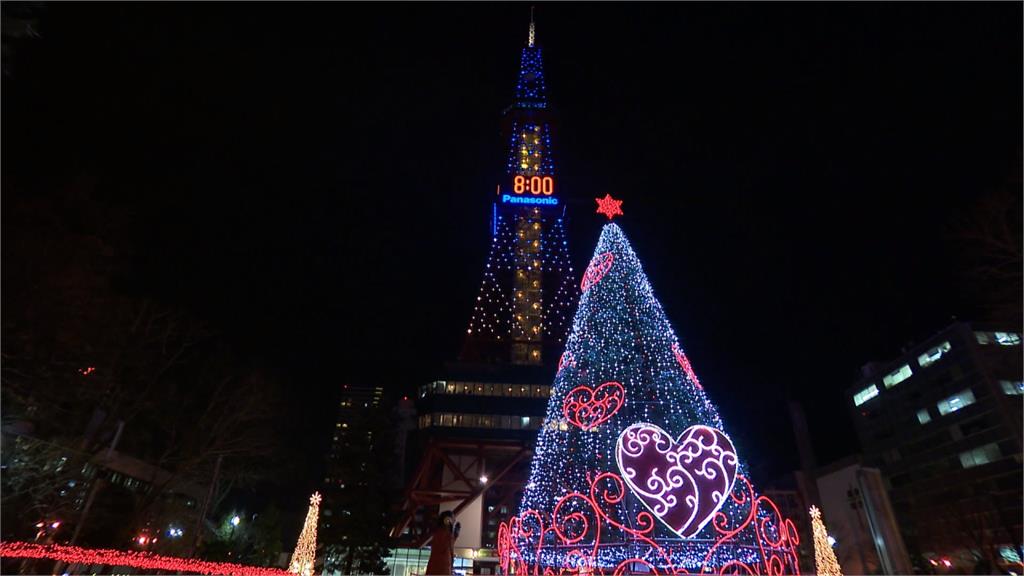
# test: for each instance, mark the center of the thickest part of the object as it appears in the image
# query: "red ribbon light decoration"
(684, 362)
(588, 408)
(598, 267)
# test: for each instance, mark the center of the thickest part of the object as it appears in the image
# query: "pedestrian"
(442, 545)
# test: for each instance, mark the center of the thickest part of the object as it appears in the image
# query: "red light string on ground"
(132, 559)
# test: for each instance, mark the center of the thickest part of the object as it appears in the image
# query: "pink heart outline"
(683, 482)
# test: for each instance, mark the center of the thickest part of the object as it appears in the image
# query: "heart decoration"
(588, 408)
(598, 267)
(684, 481)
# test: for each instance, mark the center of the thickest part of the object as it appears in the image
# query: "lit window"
(865, 395)
(932, 356)
(982, 455)
(1007, 338)
(923, 416)
(957, 401)
(897, 376)
(1011, 388)
(1001, 338)
(525, 421)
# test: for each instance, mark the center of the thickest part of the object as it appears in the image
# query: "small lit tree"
(305, 550)
(824, 557)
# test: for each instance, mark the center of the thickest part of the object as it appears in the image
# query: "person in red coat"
(442, 546)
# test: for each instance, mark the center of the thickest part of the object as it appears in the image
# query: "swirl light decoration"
(634, 470)
(587, 408)
(682, 482)
(583, 535)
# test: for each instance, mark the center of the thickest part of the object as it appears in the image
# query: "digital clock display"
(535, 185)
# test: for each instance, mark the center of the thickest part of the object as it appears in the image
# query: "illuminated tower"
(477, 422)
(524, 305)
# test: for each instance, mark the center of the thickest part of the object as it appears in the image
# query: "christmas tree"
(633, 469)
(824, 558)
(304, 557)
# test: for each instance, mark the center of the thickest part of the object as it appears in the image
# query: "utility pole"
(97, 485)
(198, 539)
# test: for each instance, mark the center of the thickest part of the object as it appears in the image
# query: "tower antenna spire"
(532, 32)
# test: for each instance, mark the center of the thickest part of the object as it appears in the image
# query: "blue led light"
(530, 90)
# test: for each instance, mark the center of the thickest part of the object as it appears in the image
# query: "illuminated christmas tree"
(633, 469)
(304, 557)
(824, 558)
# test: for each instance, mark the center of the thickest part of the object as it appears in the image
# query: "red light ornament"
(587, 408)
(598, 267)
(569, 540)
(684, 362)
(609, 206)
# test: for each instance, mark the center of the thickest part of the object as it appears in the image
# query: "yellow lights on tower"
(824, 558)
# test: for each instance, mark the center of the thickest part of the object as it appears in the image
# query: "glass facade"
(485, 389)
(460, 420)
(413, 562)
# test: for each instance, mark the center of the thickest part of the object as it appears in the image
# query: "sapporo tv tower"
(475, 425)
(525, 301)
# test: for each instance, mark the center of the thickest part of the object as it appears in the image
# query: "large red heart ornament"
(588, 407)
(684, 481)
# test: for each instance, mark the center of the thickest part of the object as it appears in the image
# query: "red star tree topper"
(609, 206)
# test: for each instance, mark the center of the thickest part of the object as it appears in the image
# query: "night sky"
(315, 179)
